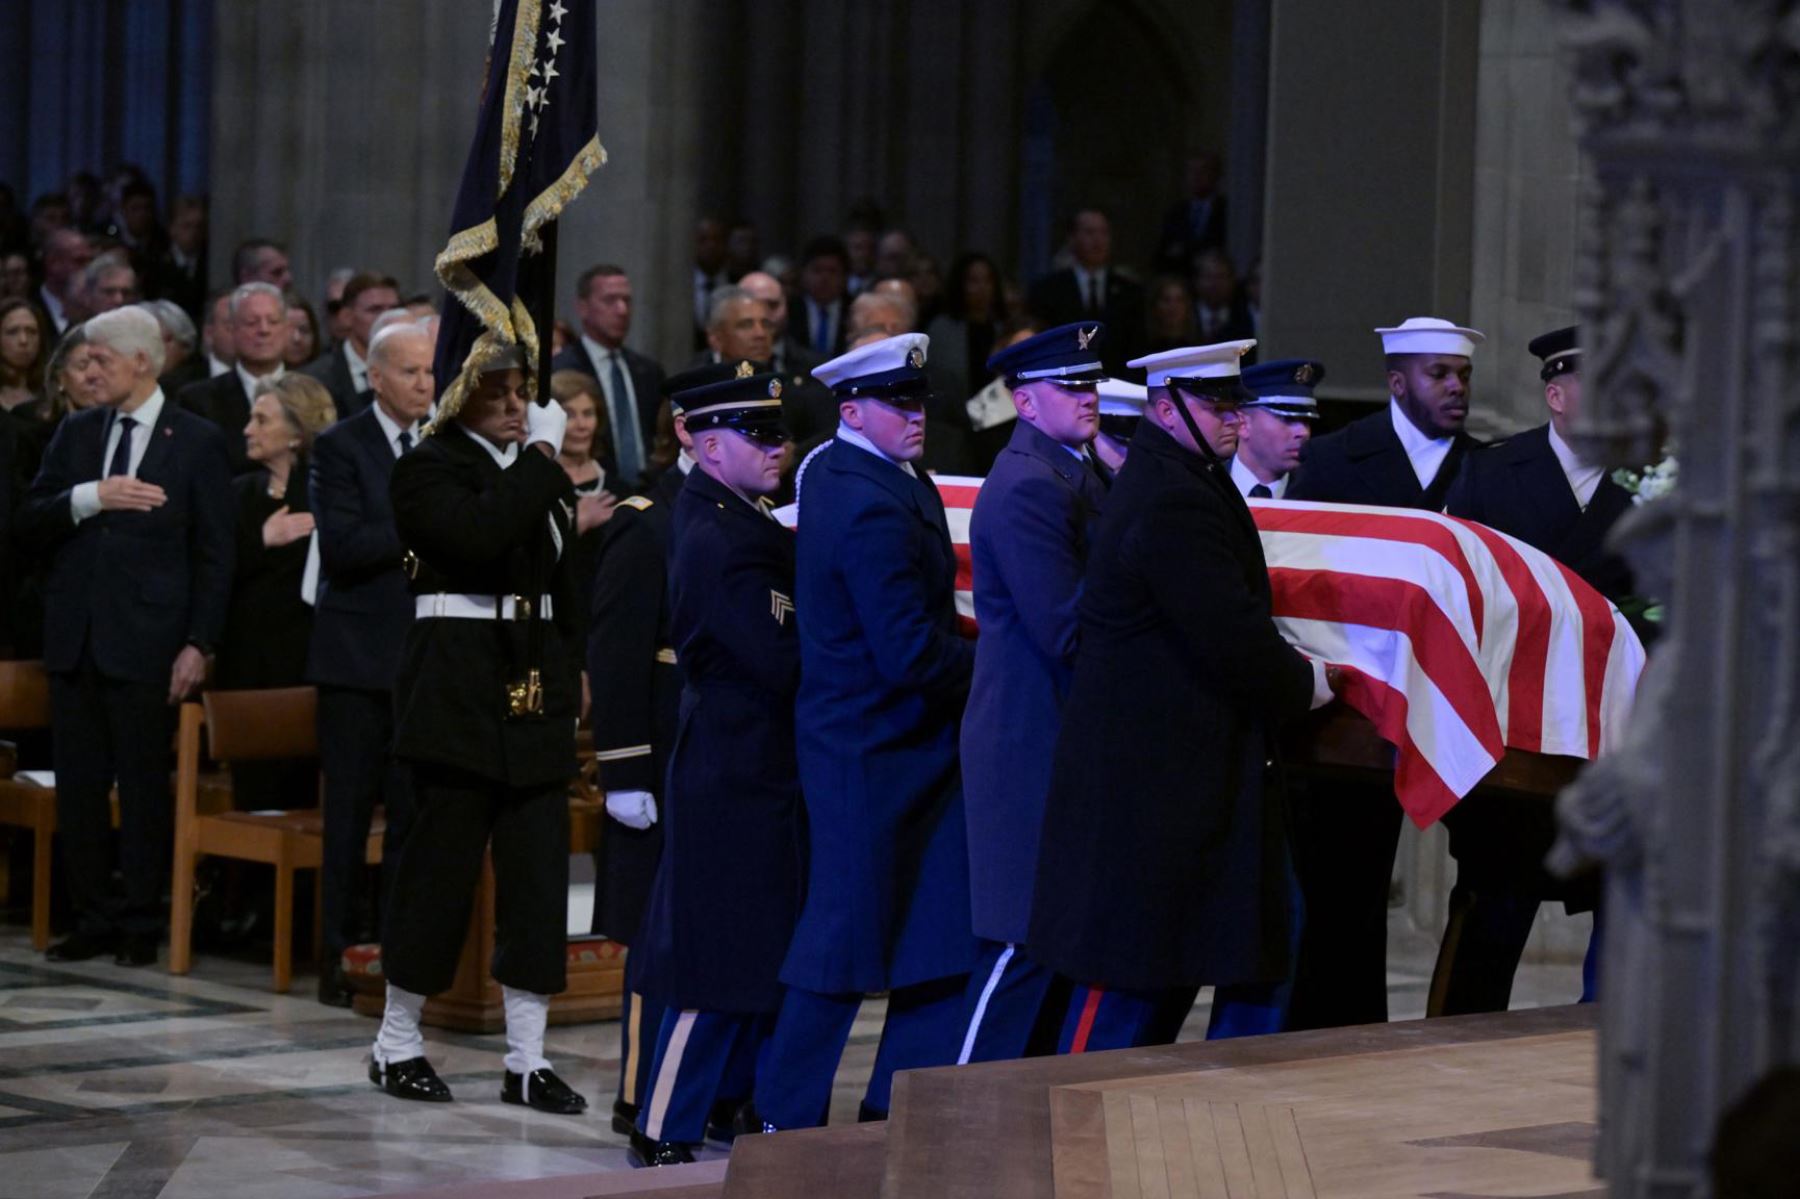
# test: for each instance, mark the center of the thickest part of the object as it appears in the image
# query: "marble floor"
(135, 1084)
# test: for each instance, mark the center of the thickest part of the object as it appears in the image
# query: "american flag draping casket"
(1458, 642)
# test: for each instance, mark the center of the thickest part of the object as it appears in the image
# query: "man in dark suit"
(1197, 223)
(808, 408)
(1220, 313)
(1028, 541)
(180, 272)
(360, 619)
(485, 710)
(345, 371)
(635, 686)
(1537, 487)
(1092, 289)
(734, 815)
(260, 331)
(823, 313)
(631, 382)
(1164, 860)
(884, 677)
(1405, 456)
(133, 505)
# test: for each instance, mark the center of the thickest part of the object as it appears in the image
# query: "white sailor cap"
(1121, 397)
(891, 366)
(1429, 335)
(1217, 361)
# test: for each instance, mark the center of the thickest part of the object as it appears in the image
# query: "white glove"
(1322, 692)
(633, 809)
(545, 423)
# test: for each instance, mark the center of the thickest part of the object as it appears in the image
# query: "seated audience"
(259, 331)
(303, 334)
(1172, 315)
(963, 334)
(181, 365)
(24, 353)
(345, 372)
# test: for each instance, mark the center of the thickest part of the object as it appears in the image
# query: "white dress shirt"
(390, 428)
(1583, 479)
(621, 411)
(834, 315)
(248, 381)
(1426, 454)
(1240, 475)
(359, 368)
(1082, 278)
(215, 368)
(846, 433)
(84, 498)
(59, 320)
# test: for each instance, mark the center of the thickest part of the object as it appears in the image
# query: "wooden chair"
(246, 726)
(25, 704)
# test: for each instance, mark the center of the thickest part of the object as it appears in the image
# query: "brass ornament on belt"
(526, 698)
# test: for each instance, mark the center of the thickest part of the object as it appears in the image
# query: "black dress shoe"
(624, 1117)
(79, 947)
(334, 989)
(731, 1119)
(411, 1079)
(543, 1090)
(135, 950)
(648, 1153)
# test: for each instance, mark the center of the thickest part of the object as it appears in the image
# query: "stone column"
(1686, 272)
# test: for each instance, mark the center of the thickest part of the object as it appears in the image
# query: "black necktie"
(1261, 492)
(405, 440)
(121, 459)
(1093, 296)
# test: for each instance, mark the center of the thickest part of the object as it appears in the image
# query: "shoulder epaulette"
(641, 503)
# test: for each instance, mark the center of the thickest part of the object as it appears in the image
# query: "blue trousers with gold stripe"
(638, 1025)
(701, 1058)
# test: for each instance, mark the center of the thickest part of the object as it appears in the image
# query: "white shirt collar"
(147, 412)
(1083, 274)
(1245, 480)
(846, 433)
(1426, 454)
(1583, 479)
(684, 462)
(504, 458)
(215, 368)
(390, 427)
(596, 352)
(249, 381)
(53, 305)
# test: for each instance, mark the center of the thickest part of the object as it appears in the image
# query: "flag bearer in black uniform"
(728, 890)
(485, 710)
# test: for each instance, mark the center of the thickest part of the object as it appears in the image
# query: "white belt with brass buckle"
(481, 607)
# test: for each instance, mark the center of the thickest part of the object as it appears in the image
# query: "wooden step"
(843, 1162)
(702, 1180)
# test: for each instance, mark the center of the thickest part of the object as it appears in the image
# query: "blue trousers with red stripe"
(1100, 1018)
(793, 1082)
(701, 1057)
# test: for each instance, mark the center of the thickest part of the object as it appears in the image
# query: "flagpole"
(544, 309)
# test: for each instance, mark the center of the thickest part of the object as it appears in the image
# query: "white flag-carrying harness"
(1458, 642)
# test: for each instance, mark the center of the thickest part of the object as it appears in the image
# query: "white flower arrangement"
(1652, 483)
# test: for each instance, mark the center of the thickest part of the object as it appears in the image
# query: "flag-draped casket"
(1458, 642)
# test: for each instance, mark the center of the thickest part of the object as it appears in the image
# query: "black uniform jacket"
(728, 891)
(1364, 463)
(476, 529)
(1163, 860)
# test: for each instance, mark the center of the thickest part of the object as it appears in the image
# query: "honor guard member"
(485, 709)
(1345, 835)
(728, 890)
(1028, 541)
(1537, 487)
(1163, 865)
(1279, 413)
(635, 685)
(883, 678)
(1121, 408)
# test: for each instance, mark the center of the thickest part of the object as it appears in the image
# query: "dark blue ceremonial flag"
(536, 143)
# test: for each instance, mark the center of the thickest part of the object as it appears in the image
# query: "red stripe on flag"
(1404, 608)
(1531, 643)
(1423, 794)
(957, 495)
(1408, 529)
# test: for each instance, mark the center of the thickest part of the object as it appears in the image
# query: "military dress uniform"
(485, 710)
(1346, 836)
(722, 910)
(1532, 486)
(1028, 539)
(1163, 865)
(634, 683)
(884, 676)
(1283, 388)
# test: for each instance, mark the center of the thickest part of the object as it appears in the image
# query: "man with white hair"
(132, 506)
(181, 365)
(109, 282)
(360, 619)
(260, 331)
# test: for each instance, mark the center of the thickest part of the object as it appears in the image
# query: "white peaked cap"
(1430, 335)
(1217, 361)
(1121, 397)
